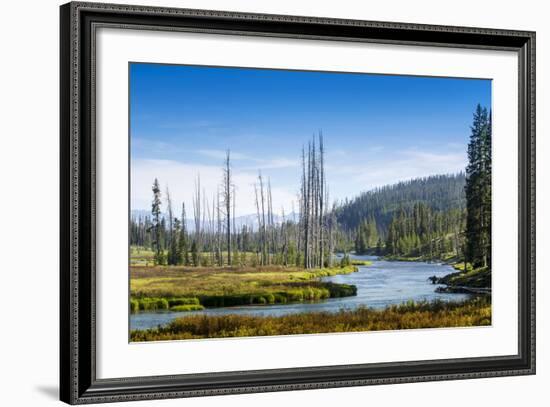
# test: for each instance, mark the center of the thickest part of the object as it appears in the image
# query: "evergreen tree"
(439, 192)
(172, 235)
(155, 211)
(195, 254)
(176, 248)
(478, 191)
(183, 250)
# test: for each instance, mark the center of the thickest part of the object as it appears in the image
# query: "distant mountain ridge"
(240, 221)
(440, 192)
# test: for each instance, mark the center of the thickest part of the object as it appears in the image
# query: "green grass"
(476, 278)
(187, 307)
(448, 257)
(461, 267)
(404, 258)
(158, 304)
(230, 286)
(361, 262)
(476, 312)
(145, 256)
(149, 304)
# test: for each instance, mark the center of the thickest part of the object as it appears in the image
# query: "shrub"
(153, 304)
(280, 298)
(295, 295)
(183, 301)
(423, 314)
(134, 306)
(187, 307)
(346, 261)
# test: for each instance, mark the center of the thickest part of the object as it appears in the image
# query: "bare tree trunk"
(321, 201)
(197, 214)
(271, 222)
(306, 207)
(260, 246)
(203, 211)
(227, 185)
(170, 227)
(265, 254)
(235, 242)
(210, 228)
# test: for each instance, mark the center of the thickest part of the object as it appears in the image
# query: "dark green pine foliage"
(440, 192)
(183, 238)
(478, 191)
(366, 236)
(424, 232)
(175, 254)
(140, 231)
(157, 226)
(195, 253)
(173, 245)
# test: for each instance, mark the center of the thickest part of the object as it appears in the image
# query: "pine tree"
(155, 211)
(172, 235)
(183, 250)
(195, 253)
(478, 191)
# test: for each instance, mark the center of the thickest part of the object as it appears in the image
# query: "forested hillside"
(438, 192)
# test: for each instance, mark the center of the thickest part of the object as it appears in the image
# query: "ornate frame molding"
(78, 380)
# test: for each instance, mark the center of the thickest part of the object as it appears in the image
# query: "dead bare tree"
(227, 201)
(313, 204)
(270, 218)
(321, 198)
(259, 217)
(171, 241)
(197, 215)
(235, 240)
(219, 252)
(265, 250)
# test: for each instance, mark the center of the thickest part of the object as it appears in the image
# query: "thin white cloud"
(256, 163)
(180, 178)
(372, 171)
(271, 164)
(347, 175)
(222, 154)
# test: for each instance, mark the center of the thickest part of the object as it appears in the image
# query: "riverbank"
(179, 288)
(411, 315)
(466, 279)
(472, 281)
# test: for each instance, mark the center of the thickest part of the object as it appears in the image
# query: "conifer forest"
(213, 254)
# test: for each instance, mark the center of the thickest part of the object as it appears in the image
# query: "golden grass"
(180, 281)
(476, 312)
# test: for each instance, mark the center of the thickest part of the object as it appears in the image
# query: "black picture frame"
(78, 382)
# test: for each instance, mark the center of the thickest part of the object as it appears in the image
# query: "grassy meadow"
(190, 288)
(475, 312)
(185, 288)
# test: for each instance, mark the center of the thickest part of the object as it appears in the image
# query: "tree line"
(440, 192)
(307, 239)
(478, 191)
(432, 217)
(428, 217)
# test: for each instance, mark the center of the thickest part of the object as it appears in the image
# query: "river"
(381, 284)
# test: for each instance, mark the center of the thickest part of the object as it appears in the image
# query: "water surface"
(381, 284)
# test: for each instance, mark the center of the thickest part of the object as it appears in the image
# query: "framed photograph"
(254, 203)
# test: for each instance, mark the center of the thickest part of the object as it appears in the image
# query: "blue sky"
(378, 129)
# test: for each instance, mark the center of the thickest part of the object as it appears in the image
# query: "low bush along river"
(378, 285)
